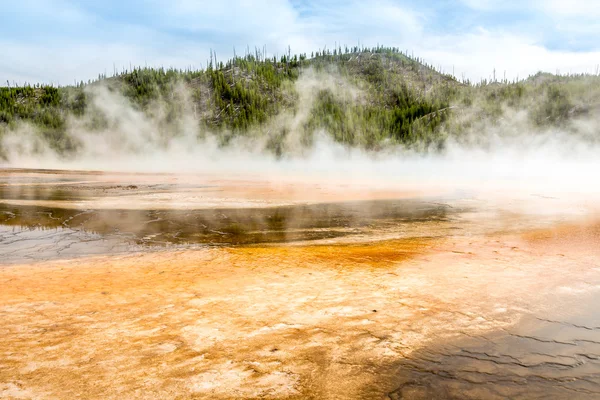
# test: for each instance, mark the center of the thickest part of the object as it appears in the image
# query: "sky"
(64, 41)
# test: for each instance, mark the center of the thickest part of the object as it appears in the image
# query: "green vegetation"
(362, 97)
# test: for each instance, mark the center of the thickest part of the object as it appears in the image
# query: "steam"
(136, 141)
(503, 154)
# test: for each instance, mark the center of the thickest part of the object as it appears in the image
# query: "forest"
(366, 97)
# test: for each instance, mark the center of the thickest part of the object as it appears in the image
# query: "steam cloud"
(504, 154)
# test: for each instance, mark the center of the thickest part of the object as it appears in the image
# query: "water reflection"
(231, 226)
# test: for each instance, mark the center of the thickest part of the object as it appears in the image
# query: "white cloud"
(182, 34)
(477, 54)
(67, 63)
(571, 8)
(557, 8)
(482, 4)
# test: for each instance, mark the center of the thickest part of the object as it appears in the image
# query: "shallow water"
(227, 226)
(304, 293)
(50, 204)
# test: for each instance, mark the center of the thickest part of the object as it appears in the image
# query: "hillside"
(369, 98)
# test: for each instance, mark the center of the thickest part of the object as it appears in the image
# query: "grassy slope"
(368, 98)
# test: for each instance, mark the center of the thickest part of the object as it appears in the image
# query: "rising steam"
(505, 152)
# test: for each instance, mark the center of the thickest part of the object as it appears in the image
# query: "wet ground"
(140, 286)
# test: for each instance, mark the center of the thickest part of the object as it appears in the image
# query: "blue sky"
(61, 41)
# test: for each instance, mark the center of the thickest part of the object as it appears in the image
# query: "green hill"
(369, 98)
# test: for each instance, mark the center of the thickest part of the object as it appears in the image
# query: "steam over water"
(304, 287)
